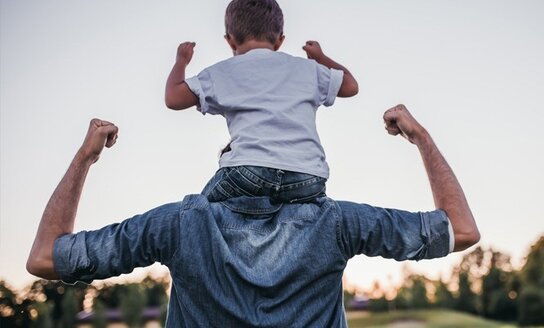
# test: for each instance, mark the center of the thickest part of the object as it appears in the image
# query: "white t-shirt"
(269, 100)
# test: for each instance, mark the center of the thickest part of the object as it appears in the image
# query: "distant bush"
(502, 307)
(531, 307)
(379, 305)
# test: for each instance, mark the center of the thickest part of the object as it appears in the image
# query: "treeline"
(52, 304)
(484, 283)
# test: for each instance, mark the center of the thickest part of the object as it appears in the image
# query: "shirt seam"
(339, 231)
(188, 203)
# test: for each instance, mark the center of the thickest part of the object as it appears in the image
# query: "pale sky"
(471, 71)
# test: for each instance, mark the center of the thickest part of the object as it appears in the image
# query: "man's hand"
(398, 120)
(101, 133)
(313, 51)
(185, 52)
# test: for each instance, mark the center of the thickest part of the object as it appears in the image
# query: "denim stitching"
(258, 179)
(302, 183)
(241, 170)
(339, 230)
(252, 211)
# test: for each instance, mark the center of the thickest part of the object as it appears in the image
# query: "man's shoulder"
(194, 201)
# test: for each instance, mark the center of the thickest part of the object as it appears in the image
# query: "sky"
(470, 71)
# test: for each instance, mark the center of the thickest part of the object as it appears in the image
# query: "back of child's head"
(254, 19)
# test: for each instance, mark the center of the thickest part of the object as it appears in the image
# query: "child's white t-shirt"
(269, 100)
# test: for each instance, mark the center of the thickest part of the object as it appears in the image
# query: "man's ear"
(279, 42)
(231, 42)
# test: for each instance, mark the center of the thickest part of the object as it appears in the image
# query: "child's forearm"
(349, 87)
(175, 79)
(178, 95)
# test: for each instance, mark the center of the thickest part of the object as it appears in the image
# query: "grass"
(421, 319)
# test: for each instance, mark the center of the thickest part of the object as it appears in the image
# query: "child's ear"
(231, 42)
(279, 42)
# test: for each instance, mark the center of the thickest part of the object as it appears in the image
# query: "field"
(421, 319)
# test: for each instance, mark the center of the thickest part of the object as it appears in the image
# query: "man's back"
(247, 262)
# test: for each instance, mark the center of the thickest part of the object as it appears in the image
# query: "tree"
(531, 306)
(413, 294)
(69, 307)
(155, 291)
(110, 295)
(133, 303)
(43, 318)
(54, 293)
(13, 313)
(348, 297)
(502, 306)
(99, 319)
(497, 300)
(443, 296)
(419, 293)
(532, 272)
(531, 298)
(466, 300)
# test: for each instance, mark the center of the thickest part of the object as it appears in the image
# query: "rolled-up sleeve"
(329, 81)
(202, 86)
(390, 233)
(119, 248)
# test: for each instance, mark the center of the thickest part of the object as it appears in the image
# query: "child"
(269, 100)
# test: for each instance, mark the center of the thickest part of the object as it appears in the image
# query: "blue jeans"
(254, 181)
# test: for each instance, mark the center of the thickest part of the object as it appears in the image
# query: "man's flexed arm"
(447, 192)
(178, 96)
(60, 212)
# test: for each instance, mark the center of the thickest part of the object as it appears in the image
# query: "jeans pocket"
(303, 191)
(242, 183)
(232, 183)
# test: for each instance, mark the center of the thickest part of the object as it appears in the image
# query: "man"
(247, 261)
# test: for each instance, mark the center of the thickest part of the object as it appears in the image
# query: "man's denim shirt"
(247, 262)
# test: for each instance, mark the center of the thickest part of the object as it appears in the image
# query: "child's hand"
(313, 50)
(185, 52)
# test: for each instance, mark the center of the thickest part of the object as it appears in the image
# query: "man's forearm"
(58, 217)
(448, 194)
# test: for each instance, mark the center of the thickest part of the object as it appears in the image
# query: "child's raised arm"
(349, 87)
(178, 96)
